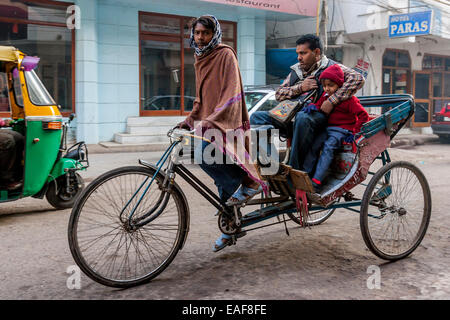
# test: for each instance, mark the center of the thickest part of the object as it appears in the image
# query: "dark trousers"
(11, 151)
(306, 127)
(316, 163)
(227, 177)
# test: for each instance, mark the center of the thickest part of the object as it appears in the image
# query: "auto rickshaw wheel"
(61, 196)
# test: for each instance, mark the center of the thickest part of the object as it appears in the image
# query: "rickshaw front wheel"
(58, 195)
(395, 210)
(103, 243)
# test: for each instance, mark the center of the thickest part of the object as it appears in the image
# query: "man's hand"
(309, 108)
(182, 125)
(309, 84)
(327, 107)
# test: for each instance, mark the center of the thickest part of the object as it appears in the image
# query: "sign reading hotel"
(410, 24)
(297, 7)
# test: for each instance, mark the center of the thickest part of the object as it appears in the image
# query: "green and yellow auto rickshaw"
(46, 166)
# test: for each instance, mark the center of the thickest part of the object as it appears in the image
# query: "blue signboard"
(410, 24)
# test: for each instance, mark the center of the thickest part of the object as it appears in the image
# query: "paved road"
(329, 261)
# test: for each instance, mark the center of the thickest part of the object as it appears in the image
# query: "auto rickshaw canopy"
(9, 54)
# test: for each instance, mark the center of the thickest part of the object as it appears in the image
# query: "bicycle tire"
(397, 174)
(172, 229)
(313, 219)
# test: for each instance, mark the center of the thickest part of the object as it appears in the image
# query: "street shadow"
(22, 212)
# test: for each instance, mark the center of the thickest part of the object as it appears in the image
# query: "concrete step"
(156, 130)
(127, 138)
(111, 146)
(154, 121)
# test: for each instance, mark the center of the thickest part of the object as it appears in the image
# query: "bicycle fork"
(163, 199)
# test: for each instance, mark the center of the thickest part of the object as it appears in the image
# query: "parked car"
(262, 98)
(169, 102)
(441, 124)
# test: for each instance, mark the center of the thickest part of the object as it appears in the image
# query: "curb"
(398, 142)
(98, 148)
(413, 141)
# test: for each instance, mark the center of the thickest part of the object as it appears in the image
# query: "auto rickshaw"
(49, 167)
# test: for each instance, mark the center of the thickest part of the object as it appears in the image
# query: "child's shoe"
(317, 185)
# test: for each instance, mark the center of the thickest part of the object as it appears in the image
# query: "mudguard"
(60, 168)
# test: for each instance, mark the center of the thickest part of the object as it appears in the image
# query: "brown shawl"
(220, 104)
(219, 101)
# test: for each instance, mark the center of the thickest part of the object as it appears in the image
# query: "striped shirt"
(353, 81)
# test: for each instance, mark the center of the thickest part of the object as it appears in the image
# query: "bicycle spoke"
(109, 246)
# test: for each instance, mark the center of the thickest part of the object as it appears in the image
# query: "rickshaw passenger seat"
(263, 127)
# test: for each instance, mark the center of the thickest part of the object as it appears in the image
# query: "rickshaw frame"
(375, 136)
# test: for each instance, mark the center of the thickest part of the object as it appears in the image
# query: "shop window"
(427, 62)
(167, 76)
(396, 72)
(447, 85)
(38, 28)
(447, 64)
(437, 85)
(389, 58)
(160, 24)
(160, 75)
(422, 88)
(336, 54)
(403, 60)
(439, 68)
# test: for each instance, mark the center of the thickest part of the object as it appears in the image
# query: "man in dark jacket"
(303, 78)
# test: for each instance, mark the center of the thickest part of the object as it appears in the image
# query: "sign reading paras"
(410, 24)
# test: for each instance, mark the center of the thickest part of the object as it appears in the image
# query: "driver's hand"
(309, 83)
(182, 125)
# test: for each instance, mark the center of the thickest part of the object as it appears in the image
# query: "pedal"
(237, 219)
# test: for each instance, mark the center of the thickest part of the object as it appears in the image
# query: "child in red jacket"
(344, 121)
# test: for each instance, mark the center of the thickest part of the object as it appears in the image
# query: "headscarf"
(216, 39)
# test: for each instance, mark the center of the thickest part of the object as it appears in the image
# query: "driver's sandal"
(242, 195)
(226, 240)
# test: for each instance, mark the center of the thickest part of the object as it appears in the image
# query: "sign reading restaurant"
(297, 7)
(410, 24)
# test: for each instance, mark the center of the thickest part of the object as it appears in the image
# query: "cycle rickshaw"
(129, 223)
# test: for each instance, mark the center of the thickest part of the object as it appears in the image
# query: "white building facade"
(418, 65)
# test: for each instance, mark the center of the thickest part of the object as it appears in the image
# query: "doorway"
(422, 97)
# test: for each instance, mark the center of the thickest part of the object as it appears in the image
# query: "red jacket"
(349, 114)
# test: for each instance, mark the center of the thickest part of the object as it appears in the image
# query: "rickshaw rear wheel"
(395, 210)
(57, 194)
(111, 250)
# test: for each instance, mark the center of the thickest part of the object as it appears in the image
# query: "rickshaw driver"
(220, 104)
(11, 145)
(303, 78)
